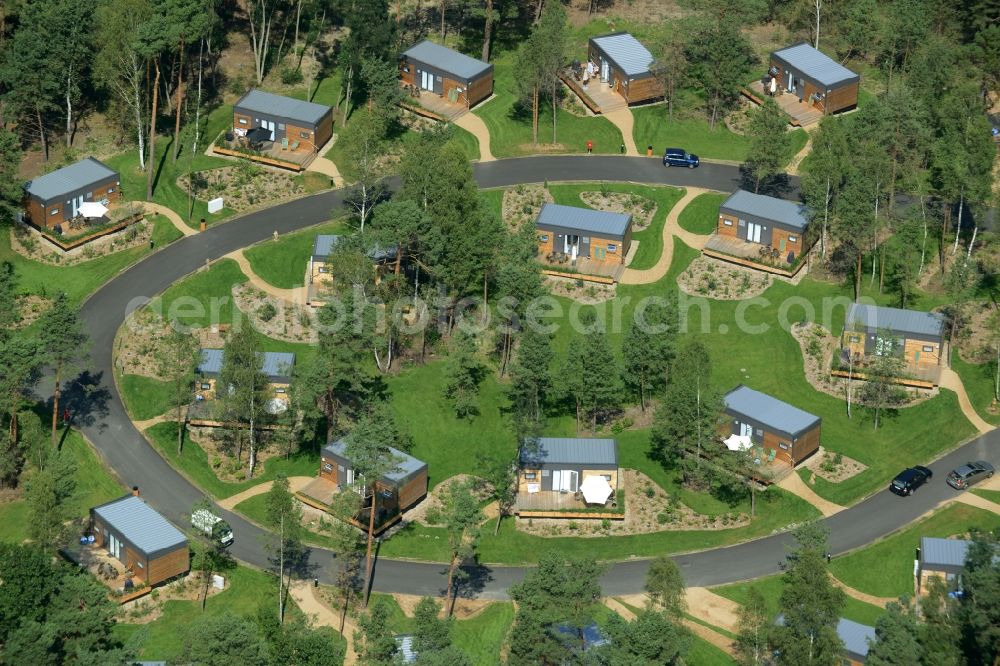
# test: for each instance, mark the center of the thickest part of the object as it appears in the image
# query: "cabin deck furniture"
(277, 117)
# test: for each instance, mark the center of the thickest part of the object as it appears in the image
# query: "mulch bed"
(828, 466)
(522, 203)
(290, 322)
(723, 282)
(29, 243)
(243, 186)
(642, 209)
(588, 293)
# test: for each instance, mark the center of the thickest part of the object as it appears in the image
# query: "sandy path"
(793, 166)
(324, 165)
(951, 381)
(296, 295)
(979, 502)
(295, 482)
(475, 126)
(700, 595)
(143, 426)
(862, 596)
(712, 608)
(174, 218)
(623, 120)
(794, 484)
(671, 228)
(305, 595)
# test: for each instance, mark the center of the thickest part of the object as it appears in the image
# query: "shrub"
(838, 459)
(433, 516)
(267, 312)
(605, 190)
(662, 518)
(649, 491)
(290, 76)
(606, 524)
(573, 526)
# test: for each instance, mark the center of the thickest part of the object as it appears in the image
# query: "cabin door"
(753, 232)
(76, 203)
(746, 430)
(565, 480)
(269, 126)
(427, 81)
(605, 70)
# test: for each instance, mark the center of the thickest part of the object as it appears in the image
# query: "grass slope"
(94, 485)
(702, 214)
(283, 262)
(144, 397)
(885, 568)
(510, 125)
(978, 380)
(203, 298)
(194, 463)
(650, 239)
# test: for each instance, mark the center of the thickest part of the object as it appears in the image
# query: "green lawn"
(468, 142)
(650, 239)
(978, 380)
(771, 586)
(163, 638)
(283, 262)
(94, 485)
(510, 126)
(991, 495)
(194, 463)
(481, 638)
(703, 653)
(692, 134)
(80, 280)
(312, 182)
(144, 397)
(701, 216)
(885, 568)
(203, 298)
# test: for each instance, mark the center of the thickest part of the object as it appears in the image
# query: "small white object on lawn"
(218, 581)
(215, 205)
(596, 490)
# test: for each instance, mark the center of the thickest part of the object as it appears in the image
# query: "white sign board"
(215, 205)
(218, 581)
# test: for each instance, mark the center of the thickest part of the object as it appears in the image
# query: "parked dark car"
(968, 474)
(910, 479)
(680, 157)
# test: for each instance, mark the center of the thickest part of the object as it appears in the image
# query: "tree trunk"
(555, 108)
(197, 109)
(368, 553)
(819, 5)
(538, 11)
(298, 16)
(55, 405)
(41, 133)
(152, 131)
(139, 127)
(826, 218)
(857, 276)
(69, 109)
(451, 579)
(488, 31)
(441, 12)
(180, 100)
(347, 97)
(958, 222)
(534, 115)
(281, 569)
(945, 221)
(180, 428)
(923, 242)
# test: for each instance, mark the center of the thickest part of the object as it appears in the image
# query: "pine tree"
(755, 630)
(686, 419)
(648, 347)
(531, 377)
(895, 638)
(177, 360)
(61, 342)
(665, 587)
(463, 374)
(374, 641)
(770, 145)
(652, 639)
(48, 494)
(283, 514)
(461, 521)
(244, 392)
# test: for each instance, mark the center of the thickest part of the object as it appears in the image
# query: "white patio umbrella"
(92, 209)
(596, 490)
(738, 442)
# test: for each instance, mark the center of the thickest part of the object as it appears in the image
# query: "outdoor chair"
(295, 145)
(771, 455)
(284, 143)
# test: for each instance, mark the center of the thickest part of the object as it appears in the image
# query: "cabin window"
(792, 239)
(530, 476)
(90, 195)
(305, 135)
(243, 121)
(406, 68)
(111, 190)
(928, 348)
(140, 565)
(854, 339)
(437, 78)
(585, 239)
(327, 467)
(612, 247)
(760, 433)
(340, 468)
(726, 222)
(606, 477)
(545, 473)
(281, 126)
(543, 238)
(784, 446)
(324, 269)
(205, 386)
(743, 223)
(279, 390)
(54, 211)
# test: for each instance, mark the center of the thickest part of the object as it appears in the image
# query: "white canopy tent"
(92, 209)
(596, 489)
(738, 442)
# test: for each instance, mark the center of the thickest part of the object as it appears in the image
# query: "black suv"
(910, 479)
(680, 157)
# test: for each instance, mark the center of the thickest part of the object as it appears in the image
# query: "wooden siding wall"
(407, 72)
(843, 96)
(644, 89)
(168, 565)
(324, 130)
(307, 143)
(854, 342)
(617, 256)
(799, 450)
(210, 393)
(39, 214)
(522, 480)
(914, 354)
(778, 234)
(414, 490)
(480, 89)
(545, 246)
(730, 229)
(247, 121)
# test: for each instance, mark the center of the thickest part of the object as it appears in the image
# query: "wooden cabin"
(625, 66)
(395, 492)
(140, 538)
(558, 465)
(598, 235)
(940, 558)
(276, 366)
(815, 78)
(765, 221)
(456, 77)
(304, 126)
(55, 198)
(855, 638)
(323, 246)
(785, 432)
(873, 330)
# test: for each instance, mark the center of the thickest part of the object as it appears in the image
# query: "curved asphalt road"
(136, 463)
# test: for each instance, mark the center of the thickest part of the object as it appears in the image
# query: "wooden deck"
(272, 154)
(548, 504)
(744, 253)
(434, 106)
(922, 378)
(585, 267)
(596, 96)
(800, 113)
(319, 494)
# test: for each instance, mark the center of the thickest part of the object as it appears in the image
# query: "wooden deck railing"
(83, 240)
(750, 263)
(263, 159)
(600, 279)
(573, 85)
(902, 381)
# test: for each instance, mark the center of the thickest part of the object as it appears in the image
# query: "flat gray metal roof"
(276, 365)
(77, 176)
(448, 60)
(790, 213)
(943, 552)
(628, 52)
(570, 450)
(140, 524)
(855, 636)
(323, 246)
(769, 411)
(876, 317)
(407, 465)
(815, 64)
(285, 107)
(586, 220)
